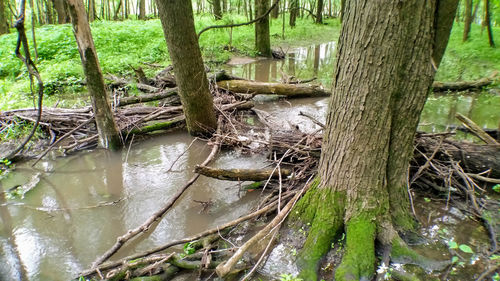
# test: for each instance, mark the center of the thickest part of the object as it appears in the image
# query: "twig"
(180, 155)
(224, 268)
(120, 241)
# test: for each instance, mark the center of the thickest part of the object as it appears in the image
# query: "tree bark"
(108, 132)
(242, 174)
(380, 87)
(487, 21)
(62, 15)
(467, 19)
(263, 88)
(4, 27)
(262, 35)
(294, 10)
(91, 13)
(319, 11)
(142, 9)
(178, 26)
(217, 9)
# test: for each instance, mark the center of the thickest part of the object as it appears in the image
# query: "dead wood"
(261, 88)
(476, 130)
(241, 174)
(146, 98)
(463, 85)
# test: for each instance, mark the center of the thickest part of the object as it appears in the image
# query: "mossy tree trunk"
(108, 132)
(382, 77)
(4, 27)
(178, 26)
(262, 35)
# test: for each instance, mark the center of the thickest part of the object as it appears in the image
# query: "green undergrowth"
(472, 59)
(122, 44)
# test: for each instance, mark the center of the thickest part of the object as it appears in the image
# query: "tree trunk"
(467, 19)
(4, 27)
(262, 36)
(62, 15)
(178, 26)
(217, 10)
(487, 21)
(108, 132)
(275, 12)
(319, 11)
(294, 10)
(368, 140)
(91, 14)
(142, 9)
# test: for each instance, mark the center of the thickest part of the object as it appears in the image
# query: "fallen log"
(149, 97)
(261, 88)
(156, 126)
(463, 85)
(241, 174)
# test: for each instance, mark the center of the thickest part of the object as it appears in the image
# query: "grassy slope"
(121, 44)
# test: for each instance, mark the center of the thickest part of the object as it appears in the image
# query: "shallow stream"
(79, 204)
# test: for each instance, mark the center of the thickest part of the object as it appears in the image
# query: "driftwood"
(463, 85)
(241, 174)
(261, 88)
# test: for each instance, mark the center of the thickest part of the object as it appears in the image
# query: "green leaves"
(462, 247)
(189, 248)
(496, 188)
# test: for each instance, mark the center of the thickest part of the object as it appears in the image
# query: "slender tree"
(142, 9)
(108, 133)
(294, 11)
(467, 19)
(217, 9)
(379, 89)
(262, 34)
(178, 26)
(62, 15)
(487, 22)
(319, 11)
(4, 26)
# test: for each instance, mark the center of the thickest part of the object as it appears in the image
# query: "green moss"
(324, 210)
(359, 259)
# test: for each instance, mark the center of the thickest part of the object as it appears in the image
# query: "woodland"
(354, 177)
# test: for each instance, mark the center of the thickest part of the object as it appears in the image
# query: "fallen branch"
(241, 174)
(120, 241)
(262, 88)
(463, 85)
(476, 130)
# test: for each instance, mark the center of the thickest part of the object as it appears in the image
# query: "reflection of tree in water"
(11, 264)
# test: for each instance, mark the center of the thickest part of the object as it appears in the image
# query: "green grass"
(472, 59)
(122, 44)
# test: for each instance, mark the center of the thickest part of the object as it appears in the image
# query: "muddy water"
(81, 203)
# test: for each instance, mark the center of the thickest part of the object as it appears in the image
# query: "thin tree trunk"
(178, 26)
(109, 137)
(467, 19)
(262, 36)
(275, 12)
(294, 10)
(142, 9)
(488, 22)
(4, 27)
(319, 11)
(91, 14)
(250, 12)
(217, 9)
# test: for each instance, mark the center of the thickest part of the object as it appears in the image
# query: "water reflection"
(81, 203)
